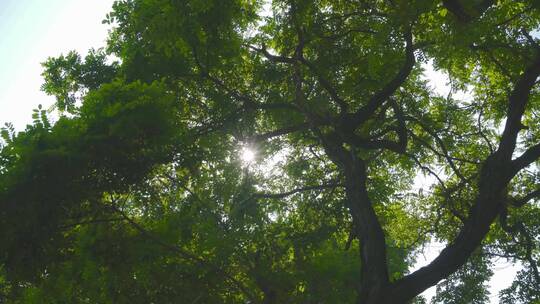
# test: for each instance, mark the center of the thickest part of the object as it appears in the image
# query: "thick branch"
(492, 183)
(528, 157)
(398, 146)
(330, 89)
(517, 102)
(459, 11)
(390, 88)
(367, 227)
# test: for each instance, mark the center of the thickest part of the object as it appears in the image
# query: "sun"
(247, 155)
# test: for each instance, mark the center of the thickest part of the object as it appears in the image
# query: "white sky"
(33, 30)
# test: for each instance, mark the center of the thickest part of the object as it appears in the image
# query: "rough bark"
(369, 231)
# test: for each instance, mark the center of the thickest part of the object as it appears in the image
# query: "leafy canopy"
(137, 193)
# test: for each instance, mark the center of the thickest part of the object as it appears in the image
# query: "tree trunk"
(374, 273)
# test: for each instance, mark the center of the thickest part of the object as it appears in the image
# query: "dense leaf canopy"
(138, 193)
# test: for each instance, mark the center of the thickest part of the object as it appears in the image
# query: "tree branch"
(528, 157)
(447, 193)
(519, 202)
(481, 132)
(381, 96)
(459, 11)
(520, 228)
(279, 132)
(239, 285)
(373, 144)
(329, 185)
(490, 200)
(444, 150)
(440, 154)
(398, 146)
(274, 58)
(330, 89)
(94, 221)
(517, 102)
(531, 40)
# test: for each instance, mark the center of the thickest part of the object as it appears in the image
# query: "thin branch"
(514, 17)
(481, 132)
(274, 58)
(428, 170)
(330, 185)
(447, 193)
(531, 40)
(330, 89)
(374, 144)
(444, 150)
(183, 253)
(401, 125)
(520, 228)
(94, 221)
(249, 103)
(348, 32)
(519, 202)
(381, 96)
(440, 154)
(280, 132)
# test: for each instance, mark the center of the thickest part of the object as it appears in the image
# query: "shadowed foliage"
(137, 192)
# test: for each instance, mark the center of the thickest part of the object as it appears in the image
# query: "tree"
(137, 193)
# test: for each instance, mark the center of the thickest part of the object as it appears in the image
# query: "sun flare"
(247, 155)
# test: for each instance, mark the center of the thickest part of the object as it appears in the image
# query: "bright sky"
(33, 30)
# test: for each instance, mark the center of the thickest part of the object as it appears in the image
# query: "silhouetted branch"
(519, 202)
(390, 88)
(182, 252)
(528, 157)
(329, 185)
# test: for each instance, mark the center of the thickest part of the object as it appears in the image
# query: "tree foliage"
(137, 193)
